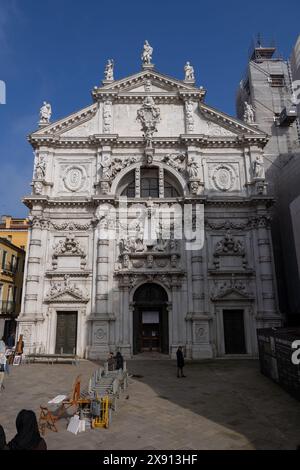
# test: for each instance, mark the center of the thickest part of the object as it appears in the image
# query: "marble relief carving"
(58, 290)
(68, 247)
(74, 178)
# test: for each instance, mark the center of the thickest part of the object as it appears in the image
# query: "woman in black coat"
(28, 436)
(3, 445)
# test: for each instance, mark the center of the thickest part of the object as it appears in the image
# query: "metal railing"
(10, 268)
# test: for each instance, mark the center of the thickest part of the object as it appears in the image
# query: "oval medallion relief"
(223, 177)
(74, 178)
(100, 334)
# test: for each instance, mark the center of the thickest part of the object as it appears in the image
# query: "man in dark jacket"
(180, 361)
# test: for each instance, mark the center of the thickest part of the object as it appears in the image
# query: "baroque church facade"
(103, 271)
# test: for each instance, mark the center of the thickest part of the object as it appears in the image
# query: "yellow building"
(12, 260)
(15, 230)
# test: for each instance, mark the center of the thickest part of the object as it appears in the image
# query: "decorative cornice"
(199, 140)
(30, 201)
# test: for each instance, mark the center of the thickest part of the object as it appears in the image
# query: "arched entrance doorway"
(150, 319)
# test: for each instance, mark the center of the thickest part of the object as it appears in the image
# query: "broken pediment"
(231, 290)
(65, 292)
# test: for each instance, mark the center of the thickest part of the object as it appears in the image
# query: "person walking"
(180, 362)
(111, 361)
(28, 436)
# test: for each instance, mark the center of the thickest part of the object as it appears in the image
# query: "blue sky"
(56, 50)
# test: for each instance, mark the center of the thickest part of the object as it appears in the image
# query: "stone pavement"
(224, 404)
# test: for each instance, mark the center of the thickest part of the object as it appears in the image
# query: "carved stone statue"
(189, 72)
(109, 70)
(258, 168)
(40, 168)
(45, 113)
(192, 168)
(147, 54)
(176, 161)
(248, 113)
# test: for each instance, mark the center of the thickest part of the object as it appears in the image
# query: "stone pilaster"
(267, 304)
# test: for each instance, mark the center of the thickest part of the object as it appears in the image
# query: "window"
(14, 293)
(4, 254)
(276, 80)
(13, 263)
(129, 191)
(149, 184)
(170, 191)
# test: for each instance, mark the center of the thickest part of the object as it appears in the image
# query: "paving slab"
(219, 405)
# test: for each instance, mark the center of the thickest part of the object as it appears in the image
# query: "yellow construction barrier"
(102, 421)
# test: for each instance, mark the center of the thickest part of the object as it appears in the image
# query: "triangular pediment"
(232, 294)
(159, 81)
(218, 122)
(67, 295)
(79, 120)
(170, 96)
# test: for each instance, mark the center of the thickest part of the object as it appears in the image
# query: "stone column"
(33, 270)
(100, 318)
(176, 323)
(265, 267)
(31, 312)
(124, 319)
(102, 277)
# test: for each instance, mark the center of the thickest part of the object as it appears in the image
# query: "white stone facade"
(147, 129)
